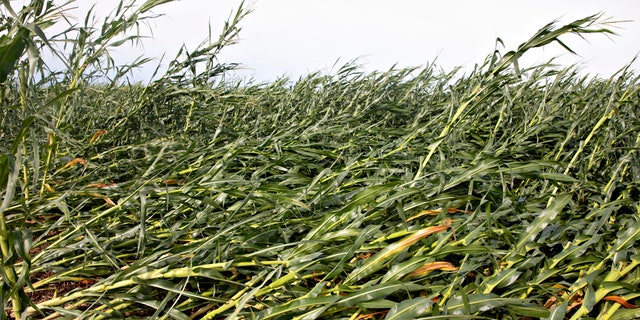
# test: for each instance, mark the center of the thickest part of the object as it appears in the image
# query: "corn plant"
(505, 192)
(45, 102)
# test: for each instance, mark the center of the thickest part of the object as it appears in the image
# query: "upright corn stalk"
(21, 40)
(89, 58)
(13, 45)
(12, 284)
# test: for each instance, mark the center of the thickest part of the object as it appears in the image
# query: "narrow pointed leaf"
(542, 219)
(628, 238)
(378, 292)
(409, 309)
(377, 262)
(478, 303)
(297, 305)
(558, 312)
(626, 314)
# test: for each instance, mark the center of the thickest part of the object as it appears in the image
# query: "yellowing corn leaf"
(73, 163)
(376, 262)
(621, 301)
(436, 212)
(438, 265)
(97, 134)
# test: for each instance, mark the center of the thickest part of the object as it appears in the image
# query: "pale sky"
(296, 37)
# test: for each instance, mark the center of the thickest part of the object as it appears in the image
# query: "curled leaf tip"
(621, 301)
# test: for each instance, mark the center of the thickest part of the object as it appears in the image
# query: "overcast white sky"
(296, 37)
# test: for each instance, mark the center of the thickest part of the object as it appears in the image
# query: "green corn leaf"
(378, 304)
(377, 261)
(553, 176)
(626, 314)
(628, 238)
(478, 303)
(558, 312)
(295, 306)
(529, 310)
(157, 305)
(365, 196)
(543, 218)
(369, 194)
(364, 235)
(177, 288)
(502, 279)
(471, 172)
(398, 196)
(26, 123)
(98, 247)
(377, 292)
(399, 270)
(11, 50)
(589, 300)
(410, 309)
(6, 166)
(313, 314)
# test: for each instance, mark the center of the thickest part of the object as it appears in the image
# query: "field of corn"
(506, 192)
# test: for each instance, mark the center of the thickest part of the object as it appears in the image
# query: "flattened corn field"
(500, 193)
